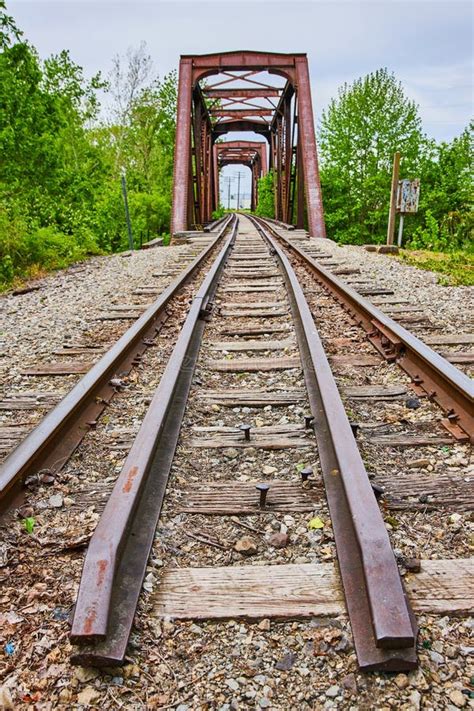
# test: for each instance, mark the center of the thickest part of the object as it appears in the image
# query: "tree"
(266, 196)
(61, 161)
(140, 139)
(446, 218)
(359, 133)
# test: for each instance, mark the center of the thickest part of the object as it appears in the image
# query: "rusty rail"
(382, 623)
(56, 437)
(116, 560)
(431, 374)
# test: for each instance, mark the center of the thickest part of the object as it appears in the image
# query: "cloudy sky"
(427, 43)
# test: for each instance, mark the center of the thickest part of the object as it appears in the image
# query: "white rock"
(415, 698)
(88, 696)
(55, 501)
(6, 701)
(458, 698)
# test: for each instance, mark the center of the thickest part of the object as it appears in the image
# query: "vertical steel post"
(264, 163)
(215, 177)
(307, 136)
(182, 154)
(299, 188)
(253, 194)
(288, 148)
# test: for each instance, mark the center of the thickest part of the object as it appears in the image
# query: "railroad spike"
(378, 490)
(306, 473)
(263, 490)
(246, 430)
(308, 421)
(355, 428)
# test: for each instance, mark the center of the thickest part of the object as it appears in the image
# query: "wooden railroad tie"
(253, 365)
(266, 437)
(250, 289)
(57, 369)
(238, 346)
(29, 400)
(253, 313)
(241, 498)
(256, 330)
(419, 492)
(450, 339)
(304, 590)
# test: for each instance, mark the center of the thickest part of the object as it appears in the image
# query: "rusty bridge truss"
(267, 94)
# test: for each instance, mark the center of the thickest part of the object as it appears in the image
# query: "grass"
(455, 268)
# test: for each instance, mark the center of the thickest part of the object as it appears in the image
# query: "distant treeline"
(66, 140)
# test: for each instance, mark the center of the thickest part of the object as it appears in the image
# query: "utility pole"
(393, 199)
(238, 176)
(229, 181)
(127, 212)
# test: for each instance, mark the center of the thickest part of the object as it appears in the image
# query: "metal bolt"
(308, 421)
(378, 490)
(354, 428)
(246, 430)
(263, 490)
(306, 473)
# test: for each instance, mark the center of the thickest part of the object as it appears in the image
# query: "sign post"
(127, 211)
(408, 195)
(393, 199)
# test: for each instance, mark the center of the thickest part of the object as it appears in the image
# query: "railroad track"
(49, 445)
(266, 432)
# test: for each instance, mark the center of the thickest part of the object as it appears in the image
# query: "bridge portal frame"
(252, 154)
(289, 131)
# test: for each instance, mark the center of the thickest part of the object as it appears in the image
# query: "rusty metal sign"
(408, 196)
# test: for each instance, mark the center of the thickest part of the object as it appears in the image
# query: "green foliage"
(360, 131)
(266, 196)
(29, 524)
(220, 212)
(456, 268)
(445, 220)
(61, 162)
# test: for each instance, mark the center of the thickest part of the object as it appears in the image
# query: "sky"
(428, 44)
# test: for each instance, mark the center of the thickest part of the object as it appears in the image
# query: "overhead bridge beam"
(241, 113)
(241, 93)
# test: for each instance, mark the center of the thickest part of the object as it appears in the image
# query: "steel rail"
(382, 622)
(211, 226)
(58, 434)
(431, 374)
(117, 556)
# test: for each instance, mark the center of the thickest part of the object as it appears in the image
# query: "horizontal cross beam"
(240, 93)
(241, 113)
